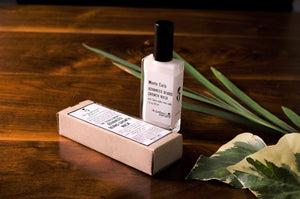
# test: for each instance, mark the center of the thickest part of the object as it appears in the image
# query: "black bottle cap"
(163, 41)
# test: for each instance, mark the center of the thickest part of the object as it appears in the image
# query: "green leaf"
(216, 98)
(297, 156)
(292, 116)
(215, 112)
(271, 172)
(238, 117)
(221, 100)
(128, 70)
(225, 115)
(238, 108)
(251, 103)
(202, 98)
(199, 77)
(208, 100)
(274, 171)
(232, 152)
(113, 57)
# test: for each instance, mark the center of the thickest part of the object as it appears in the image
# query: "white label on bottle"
(163, 98)
(119, 123)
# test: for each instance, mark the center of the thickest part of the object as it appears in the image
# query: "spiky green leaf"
(273, 182)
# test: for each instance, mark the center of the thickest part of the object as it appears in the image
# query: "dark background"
(261, 5)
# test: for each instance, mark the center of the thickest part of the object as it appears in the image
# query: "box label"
(119, 123)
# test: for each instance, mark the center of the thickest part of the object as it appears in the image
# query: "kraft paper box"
(129, 140)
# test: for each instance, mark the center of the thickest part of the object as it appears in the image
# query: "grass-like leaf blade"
(226, 115)
(214, 112)
(248, 119)
(113, 57)
(292, 116)
(251, 103)
(207, 100)
(212, 101)
(204, 81)
(128, 70)
(239, 109)
(221, 100)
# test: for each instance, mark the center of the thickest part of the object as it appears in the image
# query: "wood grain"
(69, 170)
(238, 58)
(44, 69)
(98, 19)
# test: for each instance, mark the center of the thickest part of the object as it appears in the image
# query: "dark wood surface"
(44, 69)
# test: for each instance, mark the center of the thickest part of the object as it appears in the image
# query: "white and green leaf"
(273, 172)
(269, 172)
(231, 153)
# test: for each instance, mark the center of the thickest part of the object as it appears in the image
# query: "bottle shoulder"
(175, 65)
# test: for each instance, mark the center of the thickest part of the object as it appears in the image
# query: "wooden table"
(44, 69)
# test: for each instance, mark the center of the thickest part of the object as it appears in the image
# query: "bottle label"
(119, 123)
(162, 98)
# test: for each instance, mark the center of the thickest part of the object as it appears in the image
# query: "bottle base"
(176, 128)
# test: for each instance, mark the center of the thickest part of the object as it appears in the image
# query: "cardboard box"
(129, 140)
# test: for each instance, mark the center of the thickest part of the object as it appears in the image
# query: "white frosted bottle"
(162, 81)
